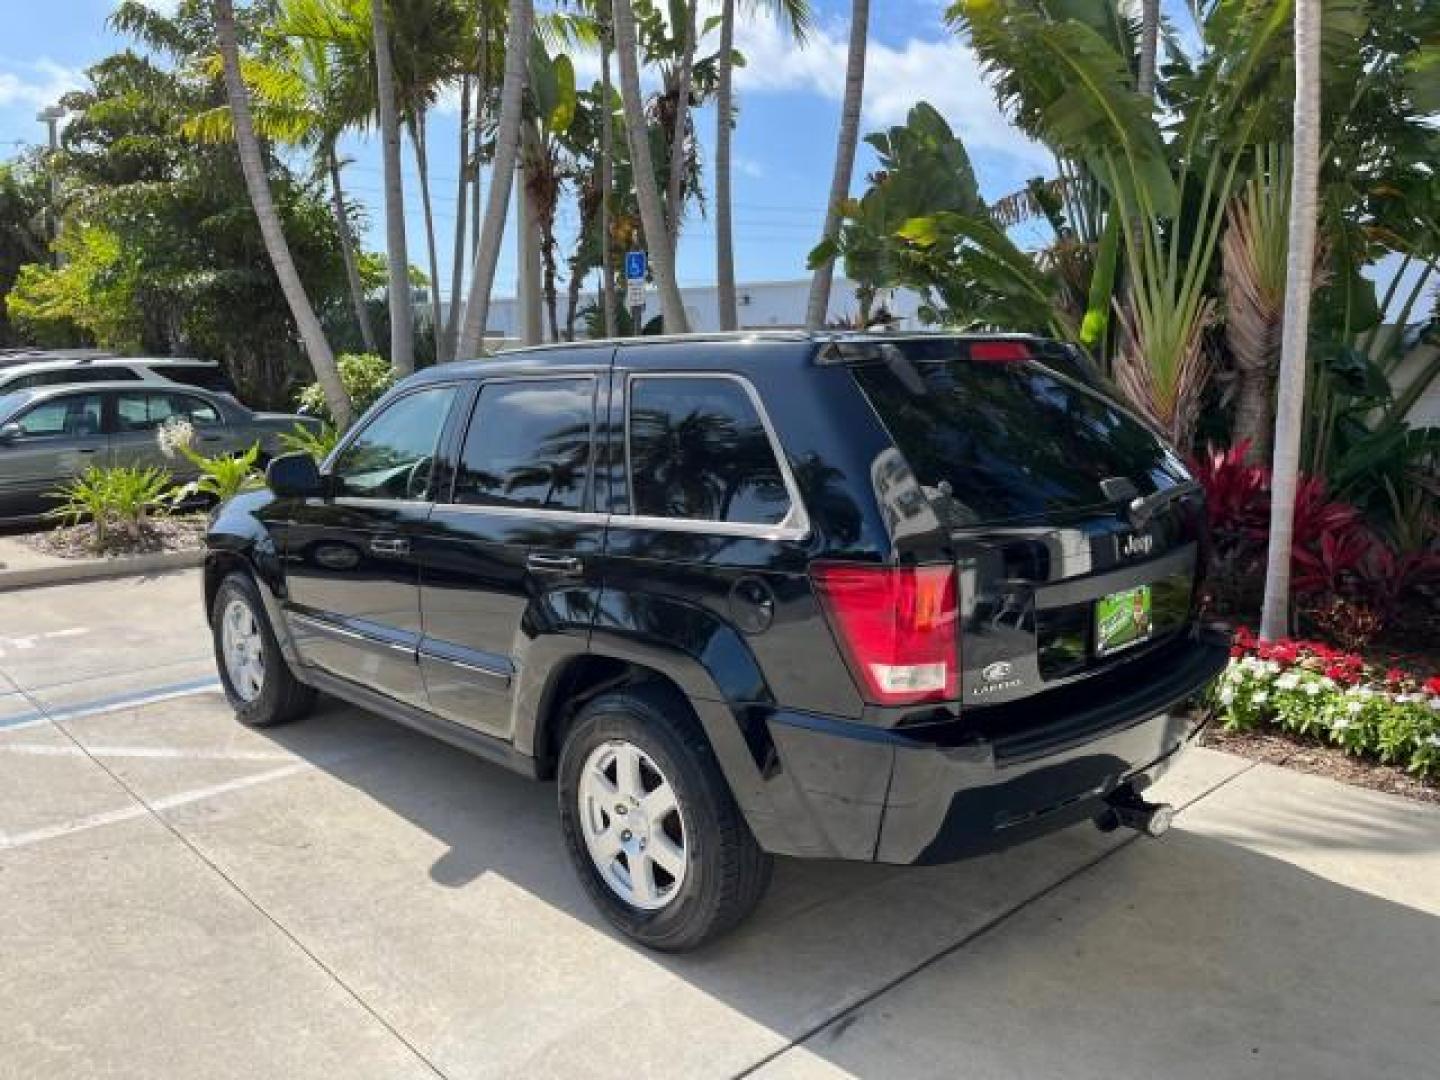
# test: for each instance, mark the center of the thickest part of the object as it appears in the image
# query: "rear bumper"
(893, 798)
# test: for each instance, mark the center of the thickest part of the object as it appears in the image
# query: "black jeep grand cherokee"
(865, 597)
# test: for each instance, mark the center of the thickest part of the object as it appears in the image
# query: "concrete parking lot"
(182, 897)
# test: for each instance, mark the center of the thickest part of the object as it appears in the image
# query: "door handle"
(390, 545)
(555, 565)
(87, 449)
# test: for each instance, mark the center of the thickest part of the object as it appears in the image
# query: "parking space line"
(156, 752)
(40, 715)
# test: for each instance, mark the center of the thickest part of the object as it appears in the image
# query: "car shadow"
(1034, 961)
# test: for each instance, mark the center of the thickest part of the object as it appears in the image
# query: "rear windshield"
(994, 441)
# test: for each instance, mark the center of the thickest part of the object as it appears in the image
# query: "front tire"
(257, 680)
(651, 825)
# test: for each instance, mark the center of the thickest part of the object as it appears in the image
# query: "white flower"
(1435, 703)
(174, 435)
(1259, 697)
(1271, 667)
(1340, 723)
(1353, 707)
(1432, 740)
(1289, 681)
(1365, 693)
(1312, 688)
(1227, 695)
(1327, 682)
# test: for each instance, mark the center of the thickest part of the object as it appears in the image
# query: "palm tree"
(305, 95)
(257, 183)
(675, 188)
(652, 213)
(402, 314)
(1290, 398)
(607, 169)
(1149, 44)
(819, 304)
(797, 17)
(507, 146)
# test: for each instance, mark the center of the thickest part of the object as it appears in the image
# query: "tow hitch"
(1126, 807)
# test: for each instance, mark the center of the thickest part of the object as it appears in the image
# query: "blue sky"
(784, 145)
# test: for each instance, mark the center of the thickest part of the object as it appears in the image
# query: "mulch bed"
(1317, 759)
(181, 532)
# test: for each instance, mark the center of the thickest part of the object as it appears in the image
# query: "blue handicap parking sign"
(635, 265)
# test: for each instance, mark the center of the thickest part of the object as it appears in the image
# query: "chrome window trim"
(795, 525)
(578, 517)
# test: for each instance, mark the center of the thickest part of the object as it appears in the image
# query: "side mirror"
(294, 476)
(9, 433)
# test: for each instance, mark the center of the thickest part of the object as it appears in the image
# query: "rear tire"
(257, 680)
(667, 856)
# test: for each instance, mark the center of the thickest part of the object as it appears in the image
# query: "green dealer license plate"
(1122, 619)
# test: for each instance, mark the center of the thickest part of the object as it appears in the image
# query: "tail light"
(898, 627)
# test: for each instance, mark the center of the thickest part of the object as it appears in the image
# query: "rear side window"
(698, 451)
(528, 445)
(205, 376)
(147, 411)
(991, 441)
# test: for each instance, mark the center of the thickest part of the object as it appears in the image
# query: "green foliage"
(23, 233)
(318, 444)
(1393, 725)
(224, 476)
(90, 296)
(116, 499)
(365, 377)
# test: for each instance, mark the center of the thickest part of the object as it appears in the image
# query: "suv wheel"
(650, 823)
(257, 681)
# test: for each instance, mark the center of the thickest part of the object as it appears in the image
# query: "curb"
(68, 571)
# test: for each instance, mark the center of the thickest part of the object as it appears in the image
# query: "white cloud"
(943, 71)
(748, 167)
(165, 7)
(36, 83)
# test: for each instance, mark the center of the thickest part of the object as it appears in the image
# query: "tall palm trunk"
(1149, 45)
(1299, 270)
(642, 164)
(402, 313)
(675, 195)
(457, 250)
(418, 137)
(257, 183)
(724, 127)
(819, 304)
(607, 185)
(507, 147)
(347, 251)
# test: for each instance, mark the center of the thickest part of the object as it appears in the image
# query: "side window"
(75, 415)
(140, 411)
(699, 452)
(528, 445)
(394, 456)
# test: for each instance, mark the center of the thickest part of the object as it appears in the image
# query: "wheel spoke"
(627, 772)
(658, 804)
(642, 877)
(666, 854)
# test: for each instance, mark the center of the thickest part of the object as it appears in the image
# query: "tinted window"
(699, 451)
(528, 445)
(75, 415)
(205, 376)
(136, 411)
(393, 456)
(999, 440)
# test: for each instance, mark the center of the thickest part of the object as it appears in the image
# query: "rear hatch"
(1076, 530)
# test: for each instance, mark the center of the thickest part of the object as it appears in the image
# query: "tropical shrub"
(1308, 688)
(118, 499)
(222, 476)
(318, 445)
(365, 377)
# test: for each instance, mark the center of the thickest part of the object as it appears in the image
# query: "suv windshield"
(994, 441)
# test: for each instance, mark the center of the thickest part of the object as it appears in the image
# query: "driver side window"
(394, 456)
